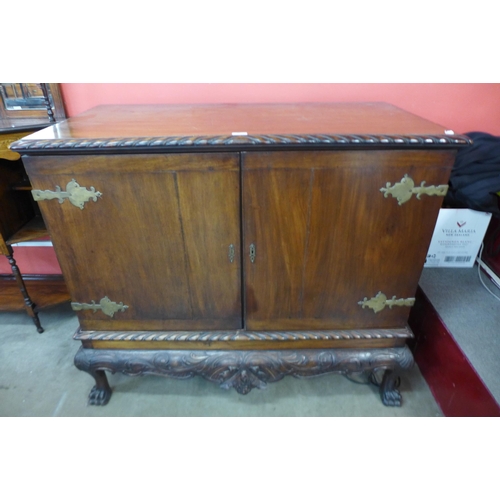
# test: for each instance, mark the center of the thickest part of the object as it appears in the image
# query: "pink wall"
(461, 107)
(33, 260)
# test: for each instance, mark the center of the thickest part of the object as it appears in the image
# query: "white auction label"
(457, 237)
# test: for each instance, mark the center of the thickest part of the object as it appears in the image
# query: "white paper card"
(457, 237)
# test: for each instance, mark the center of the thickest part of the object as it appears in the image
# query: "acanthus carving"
(242, 370)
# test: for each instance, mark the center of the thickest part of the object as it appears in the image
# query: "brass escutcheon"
(252, 253)
(231, 253)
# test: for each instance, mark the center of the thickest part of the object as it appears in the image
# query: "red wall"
(33, 260)
(461, 107)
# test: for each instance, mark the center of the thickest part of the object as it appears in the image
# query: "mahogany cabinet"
(242, 243)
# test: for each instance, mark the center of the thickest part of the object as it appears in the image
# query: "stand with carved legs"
(28, 303)
(244, 370)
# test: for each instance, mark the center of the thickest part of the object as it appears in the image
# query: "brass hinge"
(105, 305)
(76, 194)
(379, 302)
(405, 189)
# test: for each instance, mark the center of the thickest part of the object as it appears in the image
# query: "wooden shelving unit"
(34, 229)
(21, 221)
(44, 291)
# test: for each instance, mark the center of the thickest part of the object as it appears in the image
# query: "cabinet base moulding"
(244, 339)
(246, 370)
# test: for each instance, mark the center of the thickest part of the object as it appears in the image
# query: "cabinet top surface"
(146, 126)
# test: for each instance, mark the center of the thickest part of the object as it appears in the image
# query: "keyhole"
(252, 253)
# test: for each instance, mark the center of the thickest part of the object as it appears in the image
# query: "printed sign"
(457, 237)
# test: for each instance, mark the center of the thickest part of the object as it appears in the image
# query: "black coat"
(475, 177)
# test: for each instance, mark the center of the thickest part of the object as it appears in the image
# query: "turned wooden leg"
(28, 304)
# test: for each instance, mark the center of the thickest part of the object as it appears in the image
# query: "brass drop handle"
(252, 253)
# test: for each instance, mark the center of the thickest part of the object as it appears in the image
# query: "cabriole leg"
(387, 375)
(389, 388)
(101, 392)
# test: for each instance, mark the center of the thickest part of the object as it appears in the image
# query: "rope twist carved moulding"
(229, 140)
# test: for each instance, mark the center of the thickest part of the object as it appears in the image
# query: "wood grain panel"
(157, 120)
(209, 202)
(138, 244)
(33, 230)
(347, 241)
(248, 345)
(144, 163)
(44, 291)
(275, 213)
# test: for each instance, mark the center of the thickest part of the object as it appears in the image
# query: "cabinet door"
(325, 238)
(163, 238)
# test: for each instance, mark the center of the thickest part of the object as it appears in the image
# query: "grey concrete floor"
(471, 314)
(38, 379)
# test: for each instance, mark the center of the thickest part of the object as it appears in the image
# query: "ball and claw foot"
(391, 398)
(389, 392)
(99, 396)
(389, 389)
(101, 392)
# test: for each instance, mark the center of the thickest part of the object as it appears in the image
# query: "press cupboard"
(243, 242)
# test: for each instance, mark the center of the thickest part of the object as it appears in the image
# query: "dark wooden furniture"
(31, 104)
(20, 221)
(242, 243)
(20, 217)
